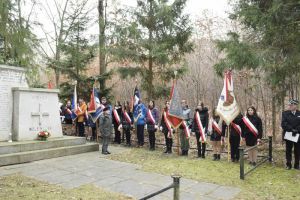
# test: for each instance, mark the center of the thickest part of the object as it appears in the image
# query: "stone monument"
(26, 111)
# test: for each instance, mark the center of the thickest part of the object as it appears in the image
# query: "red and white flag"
(250, 126)
(201, 129)
(116, 116)
(227, 107)
(168, 124)
(150, 117)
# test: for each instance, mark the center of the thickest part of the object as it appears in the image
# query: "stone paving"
(129, 179)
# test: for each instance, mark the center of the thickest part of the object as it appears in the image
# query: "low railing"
(175, 185)
(243, 152)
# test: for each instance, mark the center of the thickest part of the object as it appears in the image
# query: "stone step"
(24, 157)
(15, 147)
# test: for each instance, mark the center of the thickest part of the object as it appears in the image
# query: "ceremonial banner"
(95, 108)
(227, 107)
(175, 112)
(74, 105)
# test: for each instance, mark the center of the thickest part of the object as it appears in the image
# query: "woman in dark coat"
(152, 122)
(166, 129)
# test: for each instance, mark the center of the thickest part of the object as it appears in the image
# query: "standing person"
(117, 111)
(216, 135)
(68, 113)
(165, 127)
(291, 123)
(252, 132)
(235, 137)
(140, 114)
(152, 122)
(105, 123)
(92, 129)
(105, 103)
(81, 113)
(184, 140)
(127, 121)
(199, 127)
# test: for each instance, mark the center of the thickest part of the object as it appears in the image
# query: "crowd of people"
(243, 130)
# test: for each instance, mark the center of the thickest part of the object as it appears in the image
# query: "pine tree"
(153, 38)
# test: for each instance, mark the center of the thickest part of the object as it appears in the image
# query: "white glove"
(160, 128)
(146, 127)
(120, 127)
(156, 127)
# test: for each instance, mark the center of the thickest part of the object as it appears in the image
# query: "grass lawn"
(17, 186)
(266, 182)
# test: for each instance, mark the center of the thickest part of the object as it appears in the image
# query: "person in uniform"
(152, 122)
(291, 123)
(252, 133)
(127, 121)
(105, 124)
(184, 140)
(165, 127)
(204, 118)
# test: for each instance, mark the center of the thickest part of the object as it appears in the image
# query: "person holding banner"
(235, 137)
(184, 131)
(152, 121)
(165, 127)
(127, 121)
(199, 127)
(291, 129)
(216, 135)
(117, 111)
(252, 132)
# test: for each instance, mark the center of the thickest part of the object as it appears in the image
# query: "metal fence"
(243, 152)
(175, 185)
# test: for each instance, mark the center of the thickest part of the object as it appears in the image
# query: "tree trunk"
(274, 117)
(102, 63)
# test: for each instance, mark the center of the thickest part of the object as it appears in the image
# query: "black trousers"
(288, 153)
(234, 147)
(80, 126)
(128, 136)
(200, 146)
(117, 135)
(140, 134)
(169, 142)
(151, 139)
(94, 135)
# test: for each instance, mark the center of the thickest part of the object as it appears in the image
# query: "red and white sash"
(186, 129)
(216, 127)
(250, 126)
(150, 117)
(127, 118)
(201, 129)
(116, 116)
(69, 111)
(168, 124)
(237, 128)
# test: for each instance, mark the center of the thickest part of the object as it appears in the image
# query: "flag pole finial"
(175, 73)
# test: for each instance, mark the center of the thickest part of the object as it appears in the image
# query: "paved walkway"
(129, 179)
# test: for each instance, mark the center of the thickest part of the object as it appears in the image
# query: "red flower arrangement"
(43, 135)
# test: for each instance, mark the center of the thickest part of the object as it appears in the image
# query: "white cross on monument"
(40, 114)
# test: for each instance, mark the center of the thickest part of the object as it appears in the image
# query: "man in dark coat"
(291, 123)
(106, 129)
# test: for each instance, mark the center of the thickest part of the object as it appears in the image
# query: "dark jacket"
(163, 124)
(204, 120)
(290, 122)
(233, 133)
(125, 124)
(251, 139)
(155, 114)
(215, 136)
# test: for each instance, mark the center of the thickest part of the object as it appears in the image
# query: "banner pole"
(228, 144)
(177, 135)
